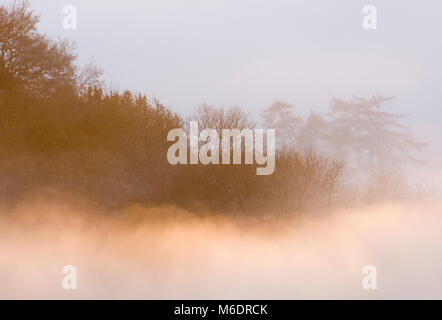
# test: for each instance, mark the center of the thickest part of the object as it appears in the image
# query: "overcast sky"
(251, 52)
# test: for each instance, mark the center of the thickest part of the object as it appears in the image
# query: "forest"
(62, 127)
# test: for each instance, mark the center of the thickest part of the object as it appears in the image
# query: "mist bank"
(167, 252)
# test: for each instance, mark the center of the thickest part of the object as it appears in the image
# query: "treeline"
(111, 147)
(60, 126)
(359, 132)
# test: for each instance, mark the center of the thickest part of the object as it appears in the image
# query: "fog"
(168, 253)
(250, 53)
(245, 53)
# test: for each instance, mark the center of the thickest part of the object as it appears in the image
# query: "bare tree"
(304, 179)
(209, 116)
(89, 77)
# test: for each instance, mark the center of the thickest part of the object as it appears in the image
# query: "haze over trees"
(359, 132)
(60, 126)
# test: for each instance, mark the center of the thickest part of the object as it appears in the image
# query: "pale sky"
(251, 52)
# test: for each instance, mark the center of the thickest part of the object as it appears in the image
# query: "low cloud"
(169, 253)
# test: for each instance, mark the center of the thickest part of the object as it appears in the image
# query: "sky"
(252, 52)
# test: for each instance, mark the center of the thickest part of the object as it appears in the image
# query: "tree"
(377, 138)
(29, 61)
(312, 132)
(303, 179)
(222, 187)
(279, 116)
(89, 77)
(209, 116)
